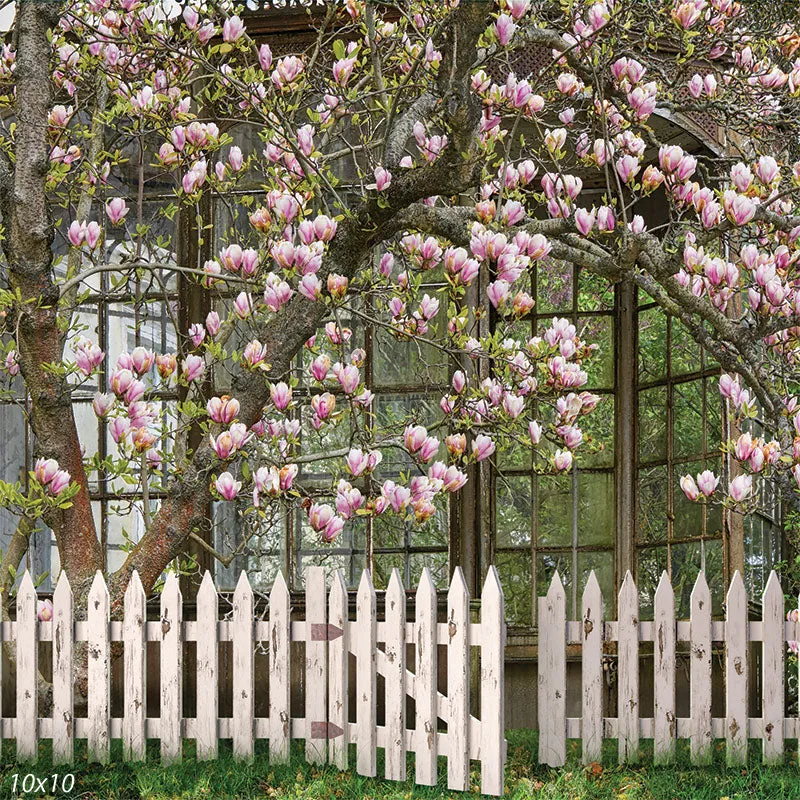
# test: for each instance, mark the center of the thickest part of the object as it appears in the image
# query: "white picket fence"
(329, 637)
(663, 726)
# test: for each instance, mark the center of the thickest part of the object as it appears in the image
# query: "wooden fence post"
(458, 651)
(493, 719)
(700, 672)
(316, 666)
(206, 722)
(243, 688)
(27, 671)
(592, 671)
(736, 722)
(665, 722)
(628, 671)
(280, 638)
(134, 635)
(366, 677)
(773, 687)
(99, 673)
(552, 669)
(395, 679)
(170, 724)
(425, 682)
(63, 675)
(338, 688)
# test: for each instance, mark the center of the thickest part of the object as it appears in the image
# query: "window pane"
(603, 566)
(652, 345)
(595, 293)
(514, 569)
(688, 515)
(653, 424)
(653, 504)
(688, 418)
(595, 508)
(554, 511)
(685, 562)
(411, 362)
(553, 286)
(513, 511)
(599, 427)
(546, 566)
(652, 562)
(600, 365)
(684, 351)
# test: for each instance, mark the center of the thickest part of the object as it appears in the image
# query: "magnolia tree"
(403, 143)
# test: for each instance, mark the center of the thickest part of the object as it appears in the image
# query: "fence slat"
(316, 665)
(171, 670)
(458, 683)
(700, 672)
(425, 681)
(628, 671)
(552, 668)
(395, 678)
(366, 677)
(279, 672)
(338, 688)
(592, 671)
(27, 671)
(98, 674)
(63, 700)
(243, 688)
(206, 727)
(736, 672)
(665, 724)
(773, 680)
(493, 722)
(134, 738)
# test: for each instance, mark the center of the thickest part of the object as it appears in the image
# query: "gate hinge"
(320, 632)
(325, 730)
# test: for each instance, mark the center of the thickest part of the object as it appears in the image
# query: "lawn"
(229, 780)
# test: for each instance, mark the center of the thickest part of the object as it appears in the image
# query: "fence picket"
(171, 670)
(63, 700)
(279, 672)
(493, 719)
(552, 669)
(736, 672)
(134, 738)
(338, 686)
(772, 707)
(665, 723)
(700, 672)
(628, 671)
(27, 671)
(98, 673)
(206, 724)
(425, 682)
(366, 678)
(458, 683)
(243, 688)
(592, 671)
(395, 679)
(316, 666)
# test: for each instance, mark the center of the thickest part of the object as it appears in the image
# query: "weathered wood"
(134, 736)
(772, 684)
(458, 683)
(366, 678)
(338, 686)
(206, 725)
(243, 686)
(552, 669)
(425, 682)
(736, 723)
(99, 672)
(395, 679)
(664, 723)
(493, 722)
(171, 671)
(279, 672)
(63, 674)
(700, 740)
(592, 671)
(628, 671)
(316, 665)
(27, 672)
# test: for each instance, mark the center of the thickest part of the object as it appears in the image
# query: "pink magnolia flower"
(212, 323)
(265, 57)
(12, 364)
(504, 29)
(482, 447)
(287, 71)
(45, 470)
(584, 220)
(196, 334)
(44, 610)
(59, 483)
(227, 487)
(707, 482)
(323, 404)
(689, 487)
(103, 403)
(343, 69)
(562, 460)
(223, 409)
(166, 364)
(741, 488)
(360, 463)
(232, 29)
(534, 432)
(383, 178)
(254, 353)
(281, 395)
(193, 368)
(116, 210)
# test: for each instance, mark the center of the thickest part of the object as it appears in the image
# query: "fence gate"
(330, 637)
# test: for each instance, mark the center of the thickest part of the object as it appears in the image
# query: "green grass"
(226, 779)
